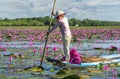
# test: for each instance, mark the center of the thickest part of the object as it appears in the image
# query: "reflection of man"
(63, 24)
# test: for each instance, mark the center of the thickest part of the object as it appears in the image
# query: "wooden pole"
(47, 35)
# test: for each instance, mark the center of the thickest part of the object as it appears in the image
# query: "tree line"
(45, 21)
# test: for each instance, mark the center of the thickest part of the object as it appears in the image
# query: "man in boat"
(62, 23)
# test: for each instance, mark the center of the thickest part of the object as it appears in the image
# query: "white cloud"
(80, 9)
(102, 2)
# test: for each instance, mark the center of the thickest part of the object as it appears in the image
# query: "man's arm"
(53, 28)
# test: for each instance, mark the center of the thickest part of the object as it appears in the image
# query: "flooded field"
(16, 57)
(21, 52)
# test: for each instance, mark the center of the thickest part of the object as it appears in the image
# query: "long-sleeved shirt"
(64, 26)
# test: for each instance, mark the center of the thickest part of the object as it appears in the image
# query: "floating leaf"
(61, 72)
(100, 66)
(52, 70)
(73, 76)
(36, 69)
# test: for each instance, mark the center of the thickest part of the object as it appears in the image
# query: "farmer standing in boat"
(63, 24)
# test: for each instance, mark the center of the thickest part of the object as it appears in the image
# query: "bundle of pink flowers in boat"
(75, 57)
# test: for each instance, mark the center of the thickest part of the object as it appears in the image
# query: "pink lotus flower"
(105, 67)
(4, 49)
(31, 43)
(34, 50)
(79, 40)
(47, 47)
(114, 71)
(118, 49)
(14, 44)
(55, 49)
(10, 58)
(56, 57)
(1, 39)
(40, 50)
(47, 53)
(112, 48)
(114, 77)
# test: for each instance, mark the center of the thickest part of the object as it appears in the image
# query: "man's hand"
(47, 35)
(53, 13)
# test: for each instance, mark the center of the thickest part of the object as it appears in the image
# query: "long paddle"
(47, 35)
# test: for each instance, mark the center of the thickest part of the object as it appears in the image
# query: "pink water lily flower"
(34, 50)
(10, 58)
(47, 53)
(105, 67)
(114, 71)
(55, 49)
(40, 50)
(118, 49)
(31, 43)
(47, 48)
(4, 49)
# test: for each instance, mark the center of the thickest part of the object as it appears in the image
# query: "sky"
(107, 10)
